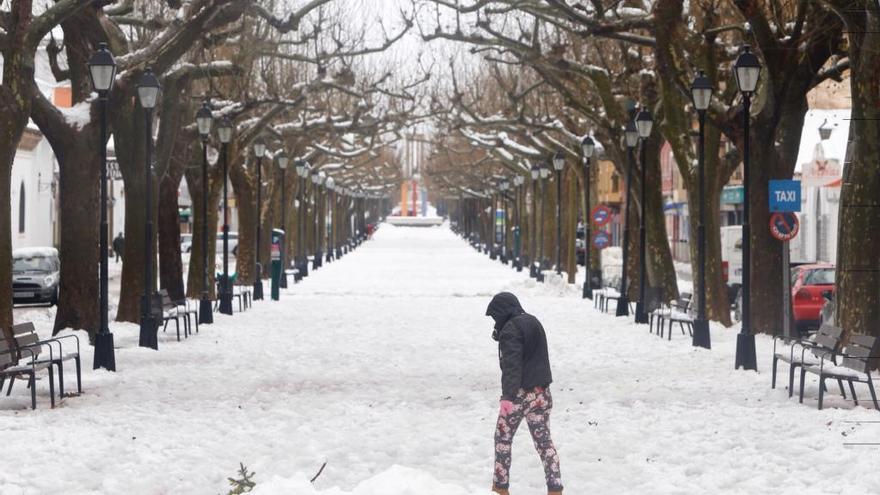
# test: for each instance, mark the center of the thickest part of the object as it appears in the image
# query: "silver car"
(35, 275)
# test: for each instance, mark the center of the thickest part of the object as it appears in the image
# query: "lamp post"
(148, 93)
(204, 120)
(259, 152)
(631, 138)
(533, 245)
(558, 165)
(701, 94)
(504, 186)
(317, 179)
(102, 69)
(283, 159)
(545, 173)
(224, 132)
(517, 235)
(644, 123)
(747, 70)
(330, 182)
(301, 261)
(588, 146)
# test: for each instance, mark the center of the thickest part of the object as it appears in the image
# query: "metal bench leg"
(11, 381)
(690, 329)
(821, 390)
(791, 369)
(853, 390)
(33, 386)
(669, 334)
(873, 394)
(51, 387)
(177, 325)
(773, 371)
(60, 379)
(79, 388)
(803, 374)
(681, 326)
(840, 384)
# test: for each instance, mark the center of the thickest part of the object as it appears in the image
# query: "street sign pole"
(786, 289)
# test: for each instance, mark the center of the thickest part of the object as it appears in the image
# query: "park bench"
(25, 336)
(12, 368)
(171, 311)
(244, 295)
(858, 358)
(677, 312)
(185, 310)
(797, 352)
(603, 296)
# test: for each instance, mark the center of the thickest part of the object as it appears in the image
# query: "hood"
(503, 307)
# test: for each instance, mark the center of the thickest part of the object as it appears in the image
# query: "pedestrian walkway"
(384, 358)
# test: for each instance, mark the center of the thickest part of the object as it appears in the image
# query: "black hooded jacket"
(522, 346)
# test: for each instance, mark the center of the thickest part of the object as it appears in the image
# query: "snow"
(46, 252)
(382, 365)
(78, 115)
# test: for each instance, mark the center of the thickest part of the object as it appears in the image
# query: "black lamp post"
(301, 261)
(545, 173)
(283, 160)
(204, 120)
(504, 186)
(148, 94)
(631, 139)
(317, 179)
(102, 69)
(701, 94)
(259, 152)
(224, 132)
(747, 70)
(588, 146)
(533, 231)
(517, 237)
(644, 123)
(558, 165)
(331, 184)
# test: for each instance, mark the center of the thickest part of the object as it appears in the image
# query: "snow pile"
(397, 480)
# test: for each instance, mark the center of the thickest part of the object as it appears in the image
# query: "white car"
(186, 242)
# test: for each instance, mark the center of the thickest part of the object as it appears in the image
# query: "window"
(21, 209)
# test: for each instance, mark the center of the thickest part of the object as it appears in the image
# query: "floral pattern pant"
(533, 405)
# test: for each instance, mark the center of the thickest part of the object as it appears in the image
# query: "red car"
(808, 284)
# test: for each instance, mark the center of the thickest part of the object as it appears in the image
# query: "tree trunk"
(194, 182)
(858, 265)
(170, 262)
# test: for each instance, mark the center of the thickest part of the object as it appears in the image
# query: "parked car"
(35, 275)
(810, 284)
(186, 242)
(580, 245)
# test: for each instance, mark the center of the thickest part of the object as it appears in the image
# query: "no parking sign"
(601, 239)
(601, 215)
(784, 226)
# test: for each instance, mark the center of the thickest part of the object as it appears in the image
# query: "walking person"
(118, 246)
(525, 378)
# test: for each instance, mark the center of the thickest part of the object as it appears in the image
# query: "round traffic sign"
(601, 215)
(784, 226)
(601, 239)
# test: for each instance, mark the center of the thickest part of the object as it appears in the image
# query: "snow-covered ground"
(382, 365)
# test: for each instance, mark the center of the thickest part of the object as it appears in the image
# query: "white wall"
(35, 169)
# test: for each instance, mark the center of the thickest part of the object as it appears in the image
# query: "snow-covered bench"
(798, 352)
(858, 359)
(677, 312)
(29, 345)
(172, 311)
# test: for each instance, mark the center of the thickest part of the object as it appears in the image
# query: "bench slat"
(23, 328)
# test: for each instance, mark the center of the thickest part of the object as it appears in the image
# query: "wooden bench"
(858, 359)
(10, 356)
(794, 351)
(26, 336)
(171, 311)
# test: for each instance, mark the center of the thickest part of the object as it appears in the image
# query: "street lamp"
(329, 216)
(747, 70)
(102, 69)
(545, 173)
(533, 245)
(588, 147)
(204, 120)
(224, 132)
(283, 160)
(300, 260)
(148, 93)
(259, 151)
(558, 165)
(644, 124)
(517, 233)
(701, 94)
(317, 179)
(631, 139)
